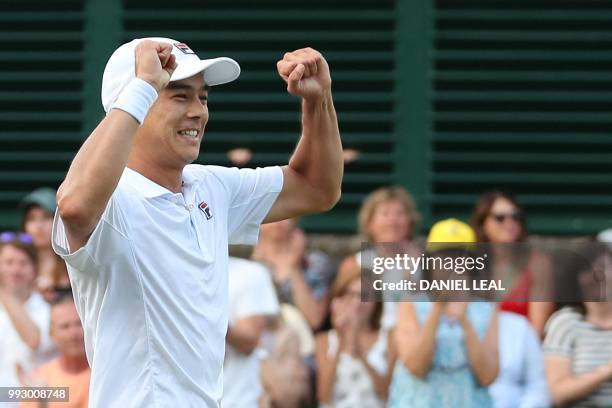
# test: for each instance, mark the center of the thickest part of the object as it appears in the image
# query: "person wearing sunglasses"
(498, 219)
(24, 315)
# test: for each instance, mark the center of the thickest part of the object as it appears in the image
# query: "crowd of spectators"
(302, 334)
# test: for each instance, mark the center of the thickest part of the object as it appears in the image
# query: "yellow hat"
(448, 231)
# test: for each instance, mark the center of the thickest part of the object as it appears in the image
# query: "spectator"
(240, 156)
(38, 211)
(353, 358)
(24, 315)
(284, 374)
(578, 342)
(448, 351)
(350, 155)
(521, 382)
(251, 302)
(387, 215)
(302, 276)
(70, 369)
(500, 220)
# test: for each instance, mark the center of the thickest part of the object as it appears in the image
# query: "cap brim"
(216, 71)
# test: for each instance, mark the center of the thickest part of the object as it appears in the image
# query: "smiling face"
(390, 222)
(171, 134)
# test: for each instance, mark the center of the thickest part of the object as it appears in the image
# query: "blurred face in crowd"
(17, 271)
(365, 309)
(389, 222)
(278, 231)
(595, 281)
(66, 329)
(503, 223)
(38, 223)
(350, 303)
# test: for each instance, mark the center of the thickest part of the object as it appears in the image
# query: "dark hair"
(570, 291)
(63, 295)
(26, 212)
(482, 210)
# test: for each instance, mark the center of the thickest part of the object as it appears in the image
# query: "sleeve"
(535, 393)
(260, 297)
(252, 192)
(560, 334)
(108, 239)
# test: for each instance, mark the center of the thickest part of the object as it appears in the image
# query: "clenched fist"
(155, 63)
(306, 73)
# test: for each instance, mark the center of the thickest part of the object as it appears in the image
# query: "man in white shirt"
(252, 303)
(145, 233)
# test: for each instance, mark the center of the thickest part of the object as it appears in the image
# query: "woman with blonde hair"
(388, 220)
(388, 214)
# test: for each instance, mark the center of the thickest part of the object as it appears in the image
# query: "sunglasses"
(9, 236)
(501, 217)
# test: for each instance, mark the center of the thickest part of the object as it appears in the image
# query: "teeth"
(191, 132)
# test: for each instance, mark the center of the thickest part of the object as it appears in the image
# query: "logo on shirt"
(205, 209)
(184, 47)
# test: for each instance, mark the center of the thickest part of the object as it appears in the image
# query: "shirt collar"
(148, 188)
(189, 177)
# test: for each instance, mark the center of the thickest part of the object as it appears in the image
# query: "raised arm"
(313, 177)
(98, 165)
(415, 343)
(326, 368)
(245, 334)
(23, 324)
(483, 355)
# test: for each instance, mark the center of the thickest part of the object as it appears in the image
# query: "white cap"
(120, 68)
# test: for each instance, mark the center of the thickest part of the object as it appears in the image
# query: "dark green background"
(448, 98)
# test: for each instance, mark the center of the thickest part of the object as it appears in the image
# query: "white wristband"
(136, 99)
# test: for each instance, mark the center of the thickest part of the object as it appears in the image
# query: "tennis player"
(145, 233)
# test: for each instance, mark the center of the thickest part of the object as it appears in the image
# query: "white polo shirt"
(151, 283)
